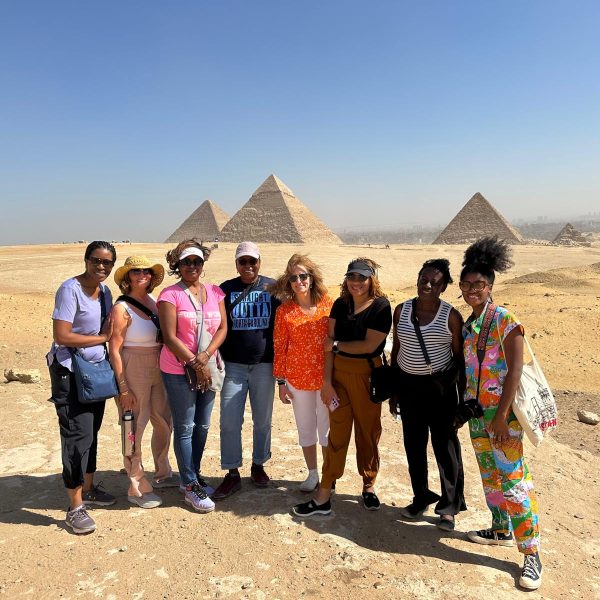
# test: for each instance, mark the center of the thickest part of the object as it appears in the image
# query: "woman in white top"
(428, 391)
(134, 353)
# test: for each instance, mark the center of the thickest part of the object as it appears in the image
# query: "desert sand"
(251, 546)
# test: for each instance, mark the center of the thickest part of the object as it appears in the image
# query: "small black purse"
(384, 381)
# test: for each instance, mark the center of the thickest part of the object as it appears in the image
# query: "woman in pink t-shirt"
(180, 308)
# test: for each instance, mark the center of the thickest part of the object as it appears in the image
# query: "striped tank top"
(436, 335)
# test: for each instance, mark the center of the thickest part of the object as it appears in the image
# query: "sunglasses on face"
(300, 276)
(191, 262)
(141, 271)
(105, 262)
(252, 262)
(356, 277)
(433, 283)
(476, 286)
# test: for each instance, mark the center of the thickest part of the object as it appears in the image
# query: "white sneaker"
(311, 482)
(195, 496)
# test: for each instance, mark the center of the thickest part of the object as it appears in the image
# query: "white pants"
(312, 416)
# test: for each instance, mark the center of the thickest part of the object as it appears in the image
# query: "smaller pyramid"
(569, 236)
(205, 223)
(476, 219)
(274, 215)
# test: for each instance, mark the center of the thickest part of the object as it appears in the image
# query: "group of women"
(325, 351)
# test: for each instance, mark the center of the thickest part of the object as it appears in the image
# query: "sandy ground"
(251, 546)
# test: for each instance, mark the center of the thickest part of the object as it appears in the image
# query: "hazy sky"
(117, 119)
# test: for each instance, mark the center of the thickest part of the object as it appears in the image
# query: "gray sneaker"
(98, 497)
(197, 498)
(147, 500)
(79, 520)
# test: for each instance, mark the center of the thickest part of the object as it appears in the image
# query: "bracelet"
(187, 362)
(121, 382)
(124, 393)
(207, 353)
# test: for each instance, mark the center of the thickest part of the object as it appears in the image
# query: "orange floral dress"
(298, 341)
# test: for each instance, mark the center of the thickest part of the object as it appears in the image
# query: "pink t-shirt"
(186, 321)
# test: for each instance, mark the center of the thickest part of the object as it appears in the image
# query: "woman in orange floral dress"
(300, 328)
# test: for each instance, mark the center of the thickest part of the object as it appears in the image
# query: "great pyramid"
(274, 215)
(569, 236)
(205, 223)
(476, 219)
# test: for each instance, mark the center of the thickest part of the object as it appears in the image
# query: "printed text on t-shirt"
(253, 312)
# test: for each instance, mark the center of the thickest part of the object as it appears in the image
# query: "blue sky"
(117, 119)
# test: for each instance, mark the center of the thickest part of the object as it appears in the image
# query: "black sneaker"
(531, 575)
(307, 509)
(491, 537)
(98, 497)
(371, 501)
(412, 512)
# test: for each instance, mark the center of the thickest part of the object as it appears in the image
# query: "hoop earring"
(203, 274)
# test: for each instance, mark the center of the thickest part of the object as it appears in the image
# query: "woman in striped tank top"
(428, 392)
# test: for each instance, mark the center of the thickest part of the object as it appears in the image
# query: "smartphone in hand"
(333, 404)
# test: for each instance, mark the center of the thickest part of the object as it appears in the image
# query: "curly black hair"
(439, 264)
(488, 256)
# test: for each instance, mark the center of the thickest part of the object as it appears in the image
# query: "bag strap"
(415, 321)
(383, 360)
(243, 295)
(153, 316)
(199, 313)
(484, 332)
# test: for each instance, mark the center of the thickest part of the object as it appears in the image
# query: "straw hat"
(140, 262)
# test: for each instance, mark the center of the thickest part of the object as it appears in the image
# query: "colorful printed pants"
(507, 483)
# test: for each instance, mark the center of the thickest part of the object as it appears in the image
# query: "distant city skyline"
(119, 120)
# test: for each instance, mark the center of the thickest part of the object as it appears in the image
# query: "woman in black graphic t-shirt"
(358, 326)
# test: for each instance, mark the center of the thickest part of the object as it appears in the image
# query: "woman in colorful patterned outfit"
(301, 324)
(191, 410)
(359, 323)
(497, 436)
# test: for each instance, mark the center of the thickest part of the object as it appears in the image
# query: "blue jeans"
(259, 382)
(191, 420)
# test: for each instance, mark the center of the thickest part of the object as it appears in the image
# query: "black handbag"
(383, 382)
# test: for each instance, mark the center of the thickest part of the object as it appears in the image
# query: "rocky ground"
(251, 546)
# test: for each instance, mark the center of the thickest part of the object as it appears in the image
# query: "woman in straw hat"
(134, 352)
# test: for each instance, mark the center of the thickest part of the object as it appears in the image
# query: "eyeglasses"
(105, 262)
(476, 286)
(300, 276)
(433, 283)
(247, 262)
(189, 262)
(356, 277)
(141, 271)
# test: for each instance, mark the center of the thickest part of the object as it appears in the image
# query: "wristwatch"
(335, 348)
(281, 382)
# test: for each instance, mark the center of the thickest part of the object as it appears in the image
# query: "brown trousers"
(142, 373)
(351, 383)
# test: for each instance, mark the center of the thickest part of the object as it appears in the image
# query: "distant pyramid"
(569, 236)
(476, 219)
(274, 215)
(204, 224)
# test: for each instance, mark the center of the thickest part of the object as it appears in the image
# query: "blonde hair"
(282, 288)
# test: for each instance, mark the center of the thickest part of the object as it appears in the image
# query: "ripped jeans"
(191, 420)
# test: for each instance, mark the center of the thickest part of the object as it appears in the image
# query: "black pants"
(425, 409)
(79, 425)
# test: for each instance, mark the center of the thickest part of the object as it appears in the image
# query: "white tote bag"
(534, 405)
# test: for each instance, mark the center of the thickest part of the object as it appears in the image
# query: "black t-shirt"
(249, 338)
(352, 328)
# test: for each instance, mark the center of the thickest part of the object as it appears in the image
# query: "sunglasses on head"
(141, 271)
(105, 262)
(247, 261)
(300, 276)
(191, 262)
(476, 286)
(356, 277)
